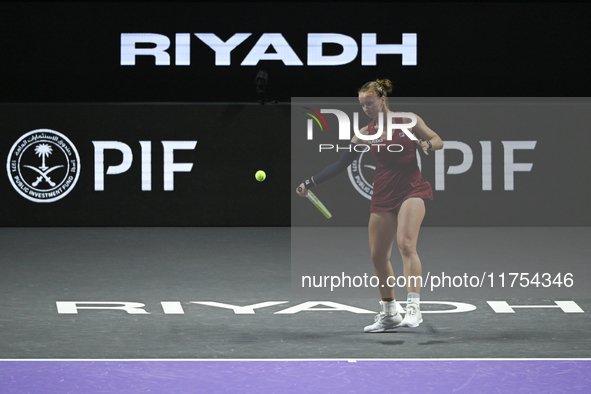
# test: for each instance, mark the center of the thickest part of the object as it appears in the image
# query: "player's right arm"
(347, 157)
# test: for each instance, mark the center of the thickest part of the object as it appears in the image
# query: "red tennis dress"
(397, 176)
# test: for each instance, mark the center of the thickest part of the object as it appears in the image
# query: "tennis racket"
(314, 200)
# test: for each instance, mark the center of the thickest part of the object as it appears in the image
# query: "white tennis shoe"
(413, 316)
(384, 323)
(387, 319)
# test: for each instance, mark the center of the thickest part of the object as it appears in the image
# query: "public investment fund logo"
(43, 165)
(361, 173)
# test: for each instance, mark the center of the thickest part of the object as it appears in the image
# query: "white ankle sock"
(389, 307)
(413, 298)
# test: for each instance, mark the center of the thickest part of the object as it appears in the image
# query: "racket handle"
(300, 189)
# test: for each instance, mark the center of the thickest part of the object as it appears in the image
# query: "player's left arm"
(426, 134)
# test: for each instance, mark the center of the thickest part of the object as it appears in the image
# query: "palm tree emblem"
(43, 151)
(43, 166)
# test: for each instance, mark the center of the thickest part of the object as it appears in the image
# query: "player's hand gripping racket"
(310, 196)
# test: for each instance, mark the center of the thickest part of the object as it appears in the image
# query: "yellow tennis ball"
(260, 175)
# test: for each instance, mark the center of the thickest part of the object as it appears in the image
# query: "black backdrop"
(219, 190)
(69, 52)
(549, 187)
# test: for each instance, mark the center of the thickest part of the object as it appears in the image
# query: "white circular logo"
(43, 165)
(362, 170)
(361, 173)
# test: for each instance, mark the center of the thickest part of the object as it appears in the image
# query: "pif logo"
(361, 173)
(43, 165)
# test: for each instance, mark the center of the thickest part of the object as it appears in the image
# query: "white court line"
(292, 359)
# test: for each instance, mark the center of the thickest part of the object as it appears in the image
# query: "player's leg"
(410, 217)
(382, 231)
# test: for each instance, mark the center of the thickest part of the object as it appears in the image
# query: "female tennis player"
(397, 205)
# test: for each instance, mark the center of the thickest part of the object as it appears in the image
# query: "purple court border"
(296, 376)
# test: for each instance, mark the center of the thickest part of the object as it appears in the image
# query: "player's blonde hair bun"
(386, 84)
(381, 86)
